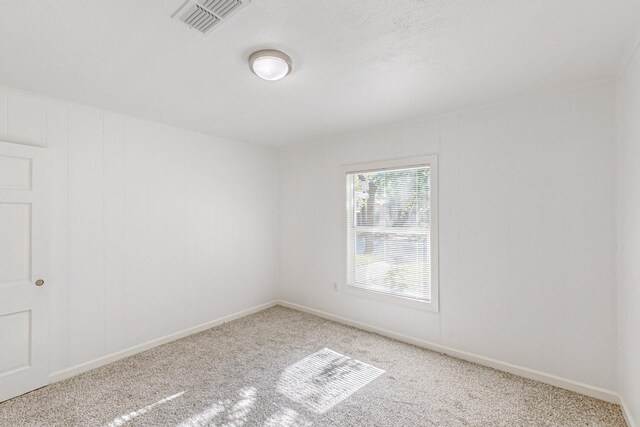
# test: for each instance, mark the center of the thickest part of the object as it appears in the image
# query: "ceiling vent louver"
(207, 15)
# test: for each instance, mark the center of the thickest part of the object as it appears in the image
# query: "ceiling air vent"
(207, 15)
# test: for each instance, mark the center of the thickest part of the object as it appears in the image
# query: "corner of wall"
(626, 201)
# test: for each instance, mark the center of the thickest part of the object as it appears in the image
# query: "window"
(392, 231)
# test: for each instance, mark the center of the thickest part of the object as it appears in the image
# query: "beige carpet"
(281, 367)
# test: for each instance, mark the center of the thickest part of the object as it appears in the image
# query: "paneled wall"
(155, 229)
(526, 231)
(628, 203)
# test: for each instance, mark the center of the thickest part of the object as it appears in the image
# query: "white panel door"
(24, 241)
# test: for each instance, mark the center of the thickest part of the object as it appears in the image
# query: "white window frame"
(427, 160)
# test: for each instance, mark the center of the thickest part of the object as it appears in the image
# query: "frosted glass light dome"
(270, 65)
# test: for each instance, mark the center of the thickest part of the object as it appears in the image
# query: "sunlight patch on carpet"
(123, 419)
(324, 379)
(225, 413)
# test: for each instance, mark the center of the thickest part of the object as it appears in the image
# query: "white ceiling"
(357, 64)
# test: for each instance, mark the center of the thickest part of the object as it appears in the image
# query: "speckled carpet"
(281, 367)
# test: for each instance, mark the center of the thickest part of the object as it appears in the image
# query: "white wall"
(526, 231)
(628, 255)
(153, 226)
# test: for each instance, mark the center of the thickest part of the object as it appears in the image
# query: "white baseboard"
(104, 360)
(627, 413)
(586, 389)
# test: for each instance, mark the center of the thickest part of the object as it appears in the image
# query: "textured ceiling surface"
(357, 64)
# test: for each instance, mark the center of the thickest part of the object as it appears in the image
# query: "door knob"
(39, 282)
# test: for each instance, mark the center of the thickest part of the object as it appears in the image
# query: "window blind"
(388, 231)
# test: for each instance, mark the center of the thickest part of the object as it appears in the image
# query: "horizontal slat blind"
(388, 231)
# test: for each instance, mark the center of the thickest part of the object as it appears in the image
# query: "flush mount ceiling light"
(270, 65)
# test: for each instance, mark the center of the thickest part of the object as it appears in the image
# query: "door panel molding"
(24, 258)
